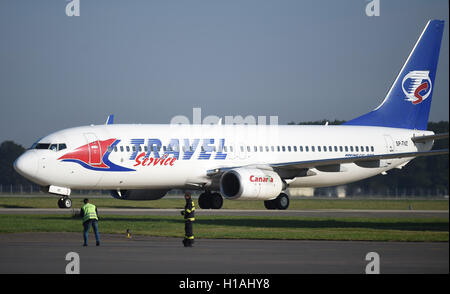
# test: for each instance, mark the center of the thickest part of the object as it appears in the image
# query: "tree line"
(423, 173)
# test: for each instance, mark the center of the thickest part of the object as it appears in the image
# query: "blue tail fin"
(407, 104)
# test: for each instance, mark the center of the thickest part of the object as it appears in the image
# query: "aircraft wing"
(357, 159)
(300, 168)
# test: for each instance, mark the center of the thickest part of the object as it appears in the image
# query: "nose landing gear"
(65, 202)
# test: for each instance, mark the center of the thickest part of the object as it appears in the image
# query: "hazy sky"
(147, 61)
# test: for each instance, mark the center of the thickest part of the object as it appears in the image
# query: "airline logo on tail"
(417, 86)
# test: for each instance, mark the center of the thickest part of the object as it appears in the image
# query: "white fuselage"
(136, 159)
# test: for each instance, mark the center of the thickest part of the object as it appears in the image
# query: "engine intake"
(250, 184)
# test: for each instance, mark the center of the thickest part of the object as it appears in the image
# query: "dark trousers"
(188, 232)
(87, 225)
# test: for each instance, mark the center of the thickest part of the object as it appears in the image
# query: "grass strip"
(295, 204)
(240, 227)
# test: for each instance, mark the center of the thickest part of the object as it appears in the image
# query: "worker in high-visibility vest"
(89, 215)
(188, 213)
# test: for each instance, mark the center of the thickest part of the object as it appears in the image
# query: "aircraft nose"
(27, 165)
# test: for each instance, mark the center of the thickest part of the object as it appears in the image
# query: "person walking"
(89, 215)
(188, 213)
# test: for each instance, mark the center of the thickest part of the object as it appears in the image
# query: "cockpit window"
(41, 146)
(54, 147)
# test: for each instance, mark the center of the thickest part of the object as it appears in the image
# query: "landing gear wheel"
(65, 202)
(203, 200)
(209, 200)
(269, 204)
(216, 201)
(282, 201)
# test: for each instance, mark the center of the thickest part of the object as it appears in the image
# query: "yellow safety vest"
(89, 212)
(189, 211)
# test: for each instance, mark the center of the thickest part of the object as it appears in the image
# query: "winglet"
(110, 120)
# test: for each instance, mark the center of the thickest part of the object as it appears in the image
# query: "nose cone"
(27, 165)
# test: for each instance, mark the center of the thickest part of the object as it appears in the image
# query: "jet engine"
(251, 184)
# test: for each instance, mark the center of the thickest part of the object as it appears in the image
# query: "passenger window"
(272, 148)
(278, 148)
(248, 148)
(301, 148)
(295, 148)
(341, 149)
(367, 148)
(255, 148)
(351, 148)
(346, 148)
(109, 149)
(283, 148)
(372, 149)
(231, 148)
(289, 148)
(121, 148)
(312, 149)
(319, 149)
(335, 149)
(128, 148)
(306, 148)
(267, 148)
(357, 149)
(115, 148)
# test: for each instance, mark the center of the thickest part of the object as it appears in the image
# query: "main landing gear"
(281, 202)
(65, 202)
(208, 200)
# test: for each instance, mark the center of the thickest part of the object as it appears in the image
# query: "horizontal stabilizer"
(423, 139)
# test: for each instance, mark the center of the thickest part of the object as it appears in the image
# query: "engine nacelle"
(138, 194)
(250, 184)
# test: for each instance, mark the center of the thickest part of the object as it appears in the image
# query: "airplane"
(244, 162)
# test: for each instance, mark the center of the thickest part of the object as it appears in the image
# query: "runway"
(239, 212)
(46, 253)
